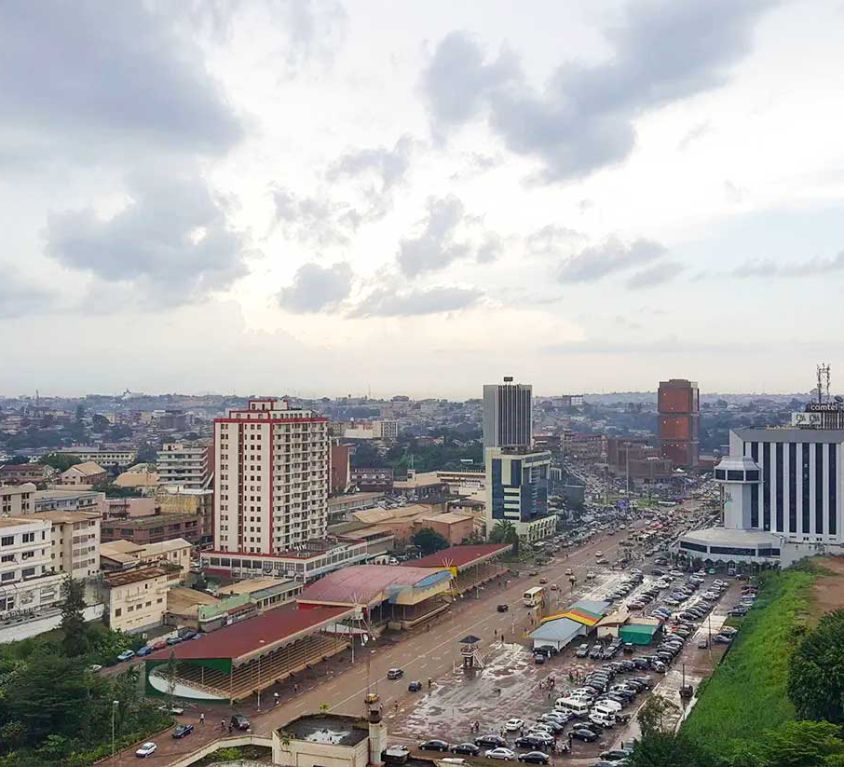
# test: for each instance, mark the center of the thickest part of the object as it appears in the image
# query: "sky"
(327, 198)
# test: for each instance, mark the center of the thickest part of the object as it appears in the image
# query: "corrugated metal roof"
(560, 630)
(363, 584)
(460, 556)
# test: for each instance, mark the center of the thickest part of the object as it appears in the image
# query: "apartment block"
(121, 458)
(135, 600)
(69, 500)
(17, 500)
(75, 542)
(84, 474)
(27, 581)
(271, 468)
(184, 465)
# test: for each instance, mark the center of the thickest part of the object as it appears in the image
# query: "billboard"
(806, 419)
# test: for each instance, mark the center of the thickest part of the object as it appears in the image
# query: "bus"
(533, 597)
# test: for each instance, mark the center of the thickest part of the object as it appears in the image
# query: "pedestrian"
(202, 719)
(275, 698)
(222, 725)
(296, 687)
(230, 728)
(571, 738)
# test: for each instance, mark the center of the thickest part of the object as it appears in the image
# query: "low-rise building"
(184, 465)
(17, 500)
(63, 499)
(124, 555)
(153, 529)
(120, 458)
(264, 593)
(75, 548)
(19, 473)
(455, 528)
(200, 503)
(86, 474)
(135, 600)
(143, 479)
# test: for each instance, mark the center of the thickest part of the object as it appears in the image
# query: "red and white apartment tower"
(271, 464)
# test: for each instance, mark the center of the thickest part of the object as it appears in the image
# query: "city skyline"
(326, 198)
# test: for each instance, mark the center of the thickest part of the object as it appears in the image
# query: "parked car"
(502, 608)
(143, 651)
(434, 745)
(504, 754)
(240, 722)
(467, 749)
(582, 651)
(539, 658)
(96, 667)
(514, 725)
(722, 639)
(182, 730)
(395, 673)
(126, 655)
(584, 734)
(490, 741)
(616, 755)
(535, 757)
(146, 749)
(175, 710)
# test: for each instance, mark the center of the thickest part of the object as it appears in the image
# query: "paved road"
(422, 654)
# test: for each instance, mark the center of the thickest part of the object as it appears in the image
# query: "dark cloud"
(388, 166)
(315, 220)
(665, 271)
(95, 75)
(811, 268)
(662, 51)
(385, 302)
(435, 247)
(316, 288)
(172, 238)
(613, 256)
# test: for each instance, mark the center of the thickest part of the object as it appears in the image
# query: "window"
(7, 558)
(7, 576)
(730, 550)
(735, 476)
(819, 488)
(778, 452)
(28, 537)
(766, 490)
(692, 546)
(28, 572)
(118, 612)
(7, 540)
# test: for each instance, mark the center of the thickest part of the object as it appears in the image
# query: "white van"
(607, 707)
(579, 708)
(604, 720)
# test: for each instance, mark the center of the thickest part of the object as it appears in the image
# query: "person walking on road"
(202, 719)
(275, 698)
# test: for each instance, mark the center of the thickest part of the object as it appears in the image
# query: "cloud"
(597, 261)
(435, 247)
(19, 297)
(811, 268)
(656, 275)
(171, 239)
(583, 120)
(316, 288)
(491, 248)
(697, 132)
(94, 76)
(552, 239)
(389, 166)
(384, 302)
(315, 220)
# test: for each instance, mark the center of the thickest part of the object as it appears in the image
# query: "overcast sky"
(395, 197)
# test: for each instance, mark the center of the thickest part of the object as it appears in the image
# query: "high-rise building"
(678, 404)
(517, 491)
(508, 415)
(184, 464)
(271, 468)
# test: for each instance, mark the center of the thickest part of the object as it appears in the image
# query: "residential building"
(454, 527)
(372, 480)
(517, 491)
(120, 458)
(340, 506)
(142, 478)
(135, 600)
(340, 468)
(678, 404)
(62, 499)
(75, 537)
(507, 415)
(17, 500)
(271, 472)
(188, 501)
(27, 582)
(382, 429)
(184, 465)
(86, 474)
(155, 528)
(585, 447)
(19, 473)
(124, 555)
(264, 593)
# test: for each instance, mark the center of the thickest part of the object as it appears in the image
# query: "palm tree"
(505, 532)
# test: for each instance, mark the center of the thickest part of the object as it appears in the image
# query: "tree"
(75, 637)
(59, 461)
(803, 744)
(429, 541)
(816, 671)
(659, 745)
(505, 532)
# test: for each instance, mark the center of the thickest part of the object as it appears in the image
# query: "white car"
(146, 749)
(514, 725)
(505, 754)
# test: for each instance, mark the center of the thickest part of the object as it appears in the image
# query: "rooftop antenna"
(823, 382)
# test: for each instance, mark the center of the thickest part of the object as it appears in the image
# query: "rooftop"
(560, 630)
(17, 521)
(461, 556)
(243, 640)
(69, 517)
(329, 729)
(731, 537)
(87, 469)
(153, 520)
(251, 585)
(448, 518)
(114, 580)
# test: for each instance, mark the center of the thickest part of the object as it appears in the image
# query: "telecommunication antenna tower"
(823, 383)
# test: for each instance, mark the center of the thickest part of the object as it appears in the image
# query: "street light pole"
(114, 705)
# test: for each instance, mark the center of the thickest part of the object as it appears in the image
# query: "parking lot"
(512, 686)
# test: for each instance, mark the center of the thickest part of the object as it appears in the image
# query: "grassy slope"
(747, 693)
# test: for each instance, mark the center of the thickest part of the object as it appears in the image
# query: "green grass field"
(747, 693)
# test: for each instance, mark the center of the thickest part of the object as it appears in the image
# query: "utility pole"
(114, 705)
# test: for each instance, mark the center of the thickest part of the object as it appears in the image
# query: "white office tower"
(184, 465)
(271, 464)
(508, 415)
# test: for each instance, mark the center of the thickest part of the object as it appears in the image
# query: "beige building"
(138, 479)
(123, 555)
(84, 475)
(17, 500)
(27, 581)
(75, 549)
(61, 499)
(328, 740)
(135, 599)
(271, 471)
(105, 457)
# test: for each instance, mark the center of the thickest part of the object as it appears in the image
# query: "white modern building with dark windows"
(783, 497)
(508, 415)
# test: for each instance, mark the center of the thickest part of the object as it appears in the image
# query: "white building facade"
(508, 415)
(271, 466)
(183, 464)
(17, 500)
